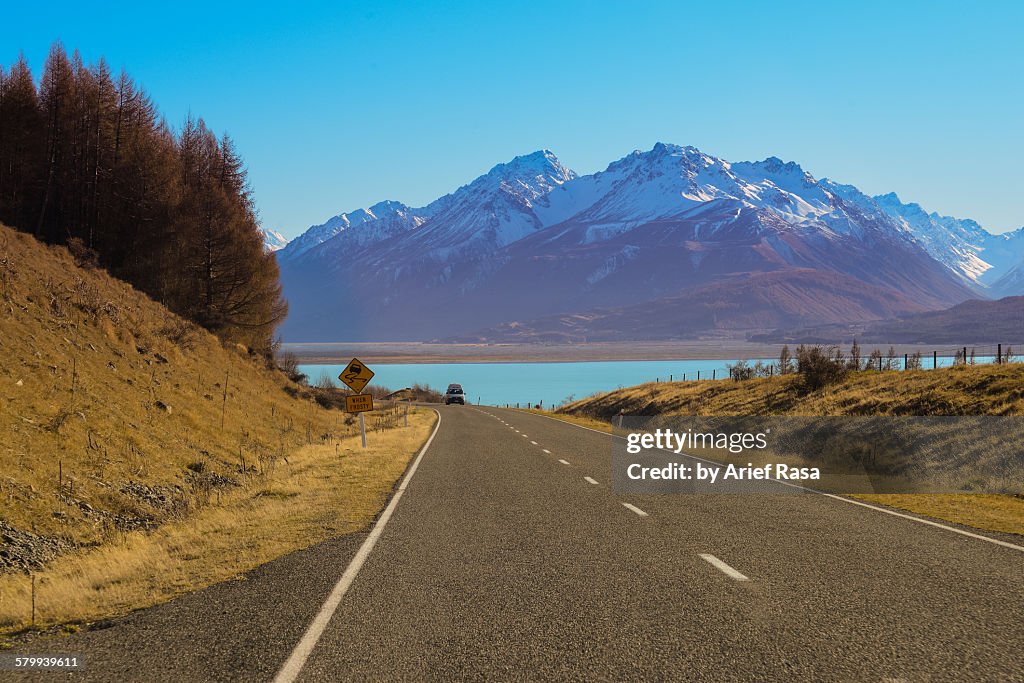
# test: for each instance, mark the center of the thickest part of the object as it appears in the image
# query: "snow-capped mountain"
(494, 210)
(491, 212)
(968, 249)
(273, 241)
(530, 239)
(669, 181)
(389, 212)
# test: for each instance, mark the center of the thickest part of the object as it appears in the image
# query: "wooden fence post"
(224, 404)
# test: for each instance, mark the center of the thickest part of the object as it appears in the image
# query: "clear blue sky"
(336, 105)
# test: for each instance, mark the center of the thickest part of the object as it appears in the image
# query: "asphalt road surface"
(507, 556)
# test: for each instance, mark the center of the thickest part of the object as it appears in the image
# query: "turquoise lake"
(552, 383)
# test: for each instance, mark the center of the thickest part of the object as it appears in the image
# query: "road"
(508, 557)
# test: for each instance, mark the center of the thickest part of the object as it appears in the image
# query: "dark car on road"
(455, 394)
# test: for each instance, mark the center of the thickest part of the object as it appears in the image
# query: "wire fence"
(860, 358)
(863, 358)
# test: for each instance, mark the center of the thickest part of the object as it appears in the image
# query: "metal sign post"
(359, 403)
(356, 376)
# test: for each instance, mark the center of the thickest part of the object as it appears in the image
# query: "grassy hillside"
(120, 418)
(963, 390)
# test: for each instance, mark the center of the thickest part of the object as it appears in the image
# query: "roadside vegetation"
(322, 491)
(143, 456)
(823, 382)
(824, 387)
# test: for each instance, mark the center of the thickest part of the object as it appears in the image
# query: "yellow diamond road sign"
(356, 375)
(358, 403)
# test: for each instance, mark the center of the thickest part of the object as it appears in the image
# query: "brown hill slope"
(787, 298)
(118, 414)
(971, 322)
(141, 458)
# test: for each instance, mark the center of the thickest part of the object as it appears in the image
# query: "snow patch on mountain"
(272, 240)
(672, 182)
(962, 245)
(493, 211)
(395, 212)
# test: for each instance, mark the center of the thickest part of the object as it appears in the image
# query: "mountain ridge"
(652, 224)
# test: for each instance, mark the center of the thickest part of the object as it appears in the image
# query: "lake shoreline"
(394, 353)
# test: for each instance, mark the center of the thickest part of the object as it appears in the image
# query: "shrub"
(325, 381)
(84, 256)
(426, 393)
(289, 365)
(819, 367)
(740, 370)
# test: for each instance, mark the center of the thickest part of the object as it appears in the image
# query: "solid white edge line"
(723, 567)
(851, 501)
(589, 480)
(635, 509)
(929, 522)
(293, 666)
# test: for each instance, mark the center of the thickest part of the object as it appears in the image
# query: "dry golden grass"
(324, 491)
(100, 386)
(120, 417)
(965, 390)
(982, 511)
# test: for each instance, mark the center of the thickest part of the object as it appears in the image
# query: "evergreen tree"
(87, 160)
(785, 360)
(855, 354)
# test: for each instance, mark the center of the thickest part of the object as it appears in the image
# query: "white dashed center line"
(534, 443)
(546, 451)
(723, 567)
(635, 509)
(564, 462)
(592, 481)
